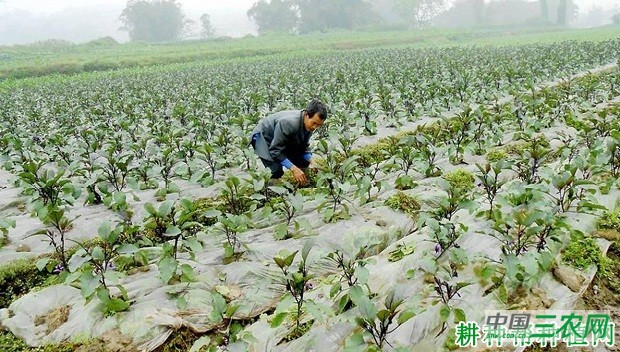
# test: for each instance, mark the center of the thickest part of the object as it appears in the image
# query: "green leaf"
(182, 303)
(459, 315)
(405, 315)
(103, 294)
(150, 209)
(280, 262)
(117, 305)
(355, 343)
(165, 208)
(98, 254)
(187, 273)
(42, 263)
(409, 274)
(200, 343)
(104, 230)
(383, 315)
(289, 260)
(219, 303)
(444, 312)
(232, 309)
(229, 251)
(306, 249)
(167, 268)
(278, 319)
(335, 289)
(362, 274)
(127, 248)
(172, 231)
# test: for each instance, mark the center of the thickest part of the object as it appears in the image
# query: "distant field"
(17, 62)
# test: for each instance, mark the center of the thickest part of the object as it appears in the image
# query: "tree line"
(164, 20)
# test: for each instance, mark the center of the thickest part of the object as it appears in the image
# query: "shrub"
(403, 202)
(497, 154)
(18, 278)
(460, 181)
(582, 252)
(610, 220)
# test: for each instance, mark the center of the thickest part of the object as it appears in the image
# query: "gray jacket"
(281, 134)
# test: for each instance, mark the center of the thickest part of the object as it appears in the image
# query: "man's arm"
(281, 138)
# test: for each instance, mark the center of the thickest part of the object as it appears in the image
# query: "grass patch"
(11, 343)
(403, 202)
(609, 221)
(461, 181)
(19, 277)
(583, 251)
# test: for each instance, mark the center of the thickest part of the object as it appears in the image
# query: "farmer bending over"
(282, 139)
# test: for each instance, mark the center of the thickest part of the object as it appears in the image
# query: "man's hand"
(299, 175)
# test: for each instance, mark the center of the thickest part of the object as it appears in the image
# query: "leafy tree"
(208, 31)
(322, 15)
(567, 11)
(418, 13)
(544, 9)
(275, 16)
(562, 13)
(153, 20)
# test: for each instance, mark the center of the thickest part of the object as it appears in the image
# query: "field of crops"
(452, 180)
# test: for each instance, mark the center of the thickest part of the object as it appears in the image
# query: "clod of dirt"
(111, 341)
(610, 235)
(54, 318)
(22, 248)
(569, 277)
(538, 300)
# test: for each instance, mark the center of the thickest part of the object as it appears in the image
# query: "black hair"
(316, 107)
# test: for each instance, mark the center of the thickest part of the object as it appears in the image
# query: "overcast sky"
(50, 6)
(27, 21)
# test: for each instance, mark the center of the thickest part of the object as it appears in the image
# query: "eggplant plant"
(568, 188)
(46, 186)
(458, 186)
(446, 292)
(56, 232)
(427, 141)
(377, 322)
(406, 153)
(524, 228)
(211, 155)
(289, 206)
(117, 201)
(535, 153)
(370, 161)
(231, 226)
(178, 225)
(488, 177)
(235, 195)
(166, 163)
(445, 234)
(336, 176)
(94, 267)
(222, 314)
(459, 132)
(117, 163)
(297, 280)
(613, 152)
(354, 274)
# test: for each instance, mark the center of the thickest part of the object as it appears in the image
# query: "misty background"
(30, 21)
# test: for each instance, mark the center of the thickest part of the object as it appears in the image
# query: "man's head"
(314, 115)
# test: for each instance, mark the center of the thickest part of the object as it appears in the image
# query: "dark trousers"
(276, 168)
